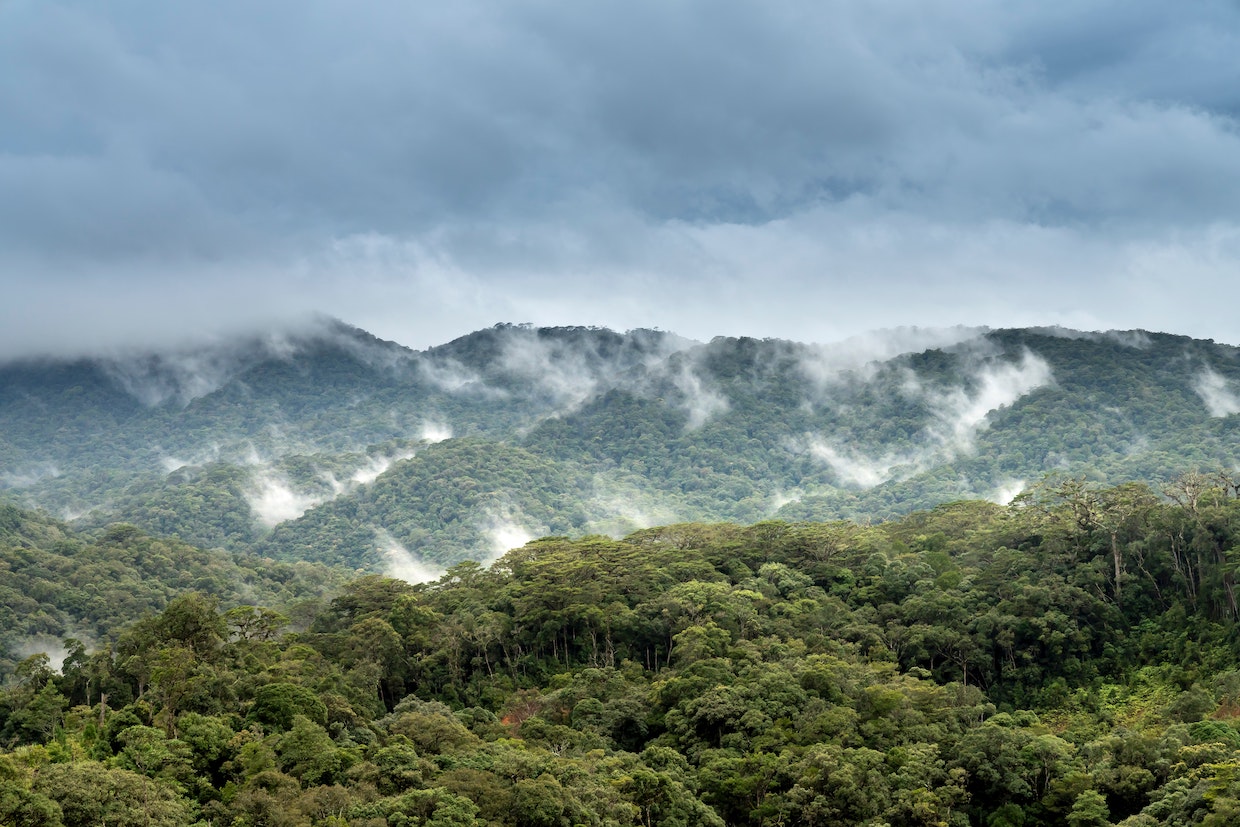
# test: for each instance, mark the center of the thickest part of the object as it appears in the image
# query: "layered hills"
(1069, 658)
(325, 443)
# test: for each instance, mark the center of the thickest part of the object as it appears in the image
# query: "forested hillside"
(59, 584)
(328, 444)
(1071, 658)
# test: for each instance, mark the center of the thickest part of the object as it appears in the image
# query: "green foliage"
(277, 704)
(57, 583)
(577, 430)
(90, 794)
(1069, 659)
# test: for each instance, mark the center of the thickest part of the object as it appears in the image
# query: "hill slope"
(329, 444)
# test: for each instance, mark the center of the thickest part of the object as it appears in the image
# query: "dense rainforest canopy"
(1071, 658)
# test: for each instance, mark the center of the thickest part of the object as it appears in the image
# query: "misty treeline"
(1068, 659)
(331, 445)
(876, 441)
(57, 583)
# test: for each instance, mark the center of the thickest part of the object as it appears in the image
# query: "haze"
(799, 169)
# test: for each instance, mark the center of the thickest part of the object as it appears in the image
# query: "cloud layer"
(790, 168)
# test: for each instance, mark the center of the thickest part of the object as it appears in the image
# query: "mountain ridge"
(606, 431)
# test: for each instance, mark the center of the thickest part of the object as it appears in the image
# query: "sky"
(807, 169)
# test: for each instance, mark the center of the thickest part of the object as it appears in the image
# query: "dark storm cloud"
(788, 167)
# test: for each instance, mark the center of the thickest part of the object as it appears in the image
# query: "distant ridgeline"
(324, 443)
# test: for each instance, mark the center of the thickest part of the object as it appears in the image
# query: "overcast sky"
(798, 168)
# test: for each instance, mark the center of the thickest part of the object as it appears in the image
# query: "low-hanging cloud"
(576, 364)
(188, 370)
(823, 364)
(619, 507)
(1006, 491)
(154, 380)
(504, 528)
(435, 431)
(700, 401)
(29, 476)
(370, 470)
(399, 562)
(781, 498)
(852, 467)
(1216, 391)
(962, 412)
(1136, 339)
(205, 454)
(274, 500)
(452, 376)
(560, 369)
(957, 415)
(48, 645)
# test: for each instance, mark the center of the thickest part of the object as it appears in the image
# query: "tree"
(90, 794)
(277, 704)
(1090, 810)
(38, 719)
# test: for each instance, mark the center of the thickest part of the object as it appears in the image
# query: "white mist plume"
(373, 468)
(959, 414)
(171, 464)
(154, 380)
(823, 364)
(962, 413)
(201, 457)
(1136, 339)
(507, 536)
(1215, 391)
(48, 645)
(273, 500)
(504, 530)
(375, 353)
(622, 508)
(852, 467)
(192, 370)
(781, 498)
(570, 366)
(450, 375)
(622, 518)
(399, 562)
(1139, 445)
(187, 374)
(1006, 491)
(559, 368)
(430, 432)
(71, 514)
(29, 476)
(376, 465)
(435, 432)
(700, 402)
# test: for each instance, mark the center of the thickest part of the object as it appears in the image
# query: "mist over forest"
(557, 576)
(287, 441)
(868, 453)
